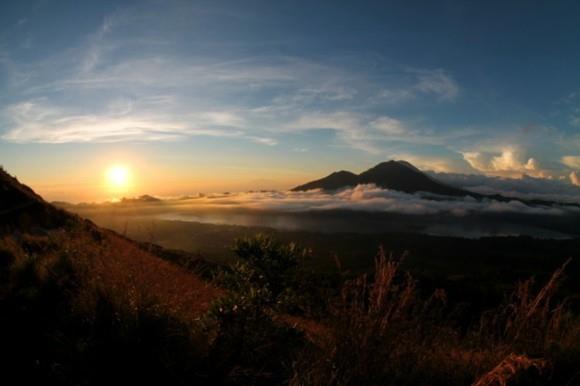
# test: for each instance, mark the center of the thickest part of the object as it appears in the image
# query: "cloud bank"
(507, 163)
(526, 187)
(362, 209)
(116, 87)
(365, 198)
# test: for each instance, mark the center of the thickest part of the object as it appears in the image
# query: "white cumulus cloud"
(572, 161)
(575, 178)
(508, 162)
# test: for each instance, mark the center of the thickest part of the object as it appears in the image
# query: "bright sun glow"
(118, 178)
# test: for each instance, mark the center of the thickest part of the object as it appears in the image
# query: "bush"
(271, 269)
(248, 343)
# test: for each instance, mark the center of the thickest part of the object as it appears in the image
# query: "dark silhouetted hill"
(22, 209)
(141, 199)
(395, 175)
(404, 177)
(333, 181)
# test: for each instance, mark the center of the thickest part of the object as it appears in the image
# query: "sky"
(227, 95)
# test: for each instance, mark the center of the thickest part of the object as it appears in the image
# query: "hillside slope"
(21, 208)
(83, 305)
(115, 259)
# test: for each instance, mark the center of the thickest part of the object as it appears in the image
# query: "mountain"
(139, 200)
(395, 175)
(333, 181)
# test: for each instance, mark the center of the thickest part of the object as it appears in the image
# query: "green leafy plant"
(247, 338)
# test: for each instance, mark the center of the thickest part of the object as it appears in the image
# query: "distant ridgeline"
(404, 177)
(395, 175)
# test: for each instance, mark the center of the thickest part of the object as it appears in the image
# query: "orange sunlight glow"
(118, 179)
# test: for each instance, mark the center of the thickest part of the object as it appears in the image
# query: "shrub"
(247, 342)
(270, 268)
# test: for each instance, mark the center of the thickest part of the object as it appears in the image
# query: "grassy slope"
(81, 306)
(480, 270)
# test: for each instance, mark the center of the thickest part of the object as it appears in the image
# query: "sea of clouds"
(364, 209)
(367, 198)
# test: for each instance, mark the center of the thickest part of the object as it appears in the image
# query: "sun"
(118, 178)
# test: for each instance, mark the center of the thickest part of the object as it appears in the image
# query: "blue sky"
(203, 95)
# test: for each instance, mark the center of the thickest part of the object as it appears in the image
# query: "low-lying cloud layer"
(362, 209)
(367, 198)
(526, 187)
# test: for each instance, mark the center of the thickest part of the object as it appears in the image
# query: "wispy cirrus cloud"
(431, 163)
(437, 84)
(361, 131)
(38, 121)
(389, 126)
(265, 141)
(121, 82)
(122, 86)
(166, 95)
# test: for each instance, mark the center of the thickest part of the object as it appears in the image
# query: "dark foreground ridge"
(21, 208)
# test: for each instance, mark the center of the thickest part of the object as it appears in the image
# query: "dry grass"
(528, 320)
(382, 332)
(111, 264)
(81, 304)
(508, 370)
(127, 269)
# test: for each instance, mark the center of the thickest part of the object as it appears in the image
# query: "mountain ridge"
(394, 175)
(403, 176)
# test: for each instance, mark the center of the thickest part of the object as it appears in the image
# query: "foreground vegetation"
(83, 306)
